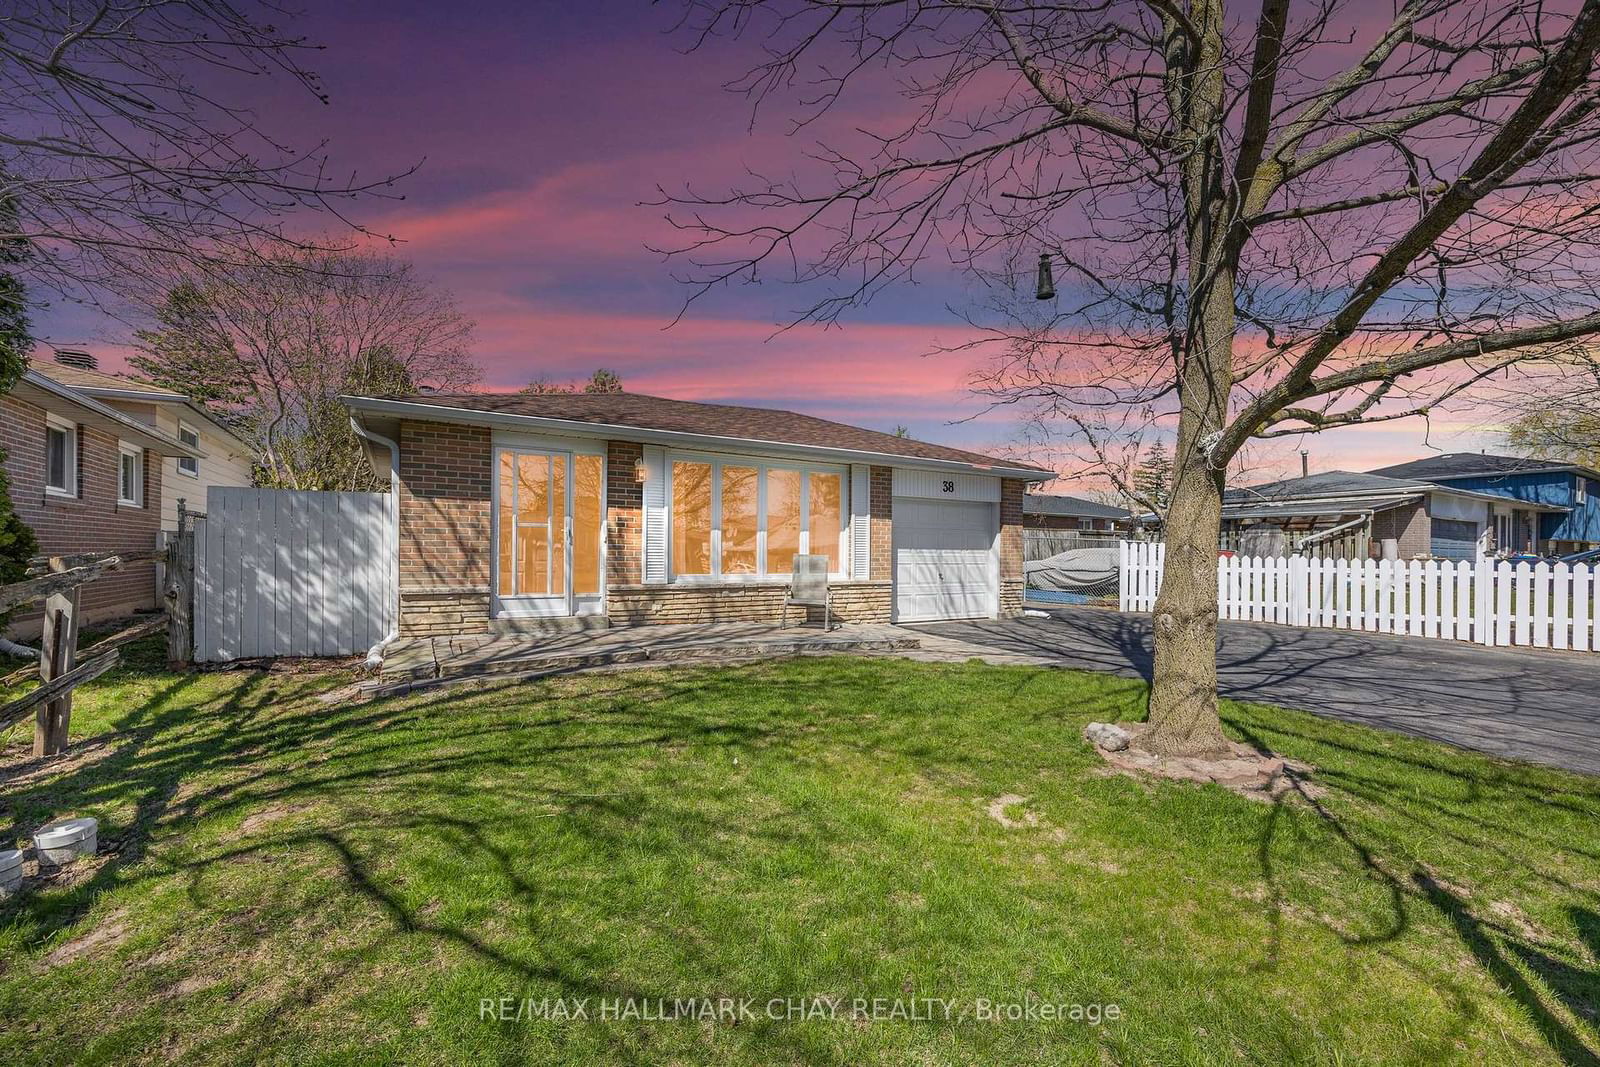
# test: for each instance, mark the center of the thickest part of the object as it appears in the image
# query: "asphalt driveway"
(1530, 705)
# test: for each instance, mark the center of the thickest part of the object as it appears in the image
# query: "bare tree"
(1266, 222)
(273, 345)
(117, 140)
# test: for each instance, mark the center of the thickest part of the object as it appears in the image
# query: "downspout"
(375, 653)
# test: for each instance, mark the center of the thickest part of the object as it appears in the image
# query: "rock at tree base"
(1243, 770)
(1107, 736)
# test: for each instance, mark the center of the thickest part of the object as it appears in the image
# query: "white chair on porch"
(808, 588)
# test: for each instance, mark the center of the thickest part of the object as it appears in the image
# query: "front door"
(548, 507)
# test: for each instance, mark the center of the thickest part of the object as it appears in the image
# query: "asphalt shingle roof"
(1327, 483)
(1470, 464)
(717, 420)
(79, 378)
(1055, 504)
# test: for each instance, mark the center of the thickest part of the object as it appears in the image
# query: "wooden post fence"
(179, 593)
(58, 653)
(57, 581)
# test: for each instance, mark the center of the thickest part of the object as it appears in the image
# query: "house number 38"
(949, 487)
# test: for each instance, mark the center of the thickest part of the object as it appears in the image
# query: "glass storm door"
(548, 523)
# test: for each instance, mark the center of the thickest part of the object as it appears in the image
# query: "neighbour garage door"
(1454, 539)
(944, 566)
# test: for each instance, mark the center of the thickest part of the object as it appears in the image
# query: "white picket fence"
(1488, 602)
(283, 572)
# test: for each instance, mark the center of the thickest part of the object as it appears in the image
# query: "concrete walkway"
(429, 659)
(1543, 707)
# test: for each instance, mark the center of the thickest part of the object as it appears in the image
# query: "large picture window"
(741, 518)
(691, 517)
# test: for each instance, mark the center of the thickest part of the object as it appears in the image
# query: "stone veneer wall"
(446, 475)
(752, 602)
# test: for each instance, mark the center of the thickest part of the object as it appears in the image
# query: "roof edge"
(580, 428)
(157, 441)
(1548, 468)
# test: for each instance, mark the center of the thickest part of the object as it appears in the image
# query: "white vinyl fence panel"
(1489, 602)
(282, 572)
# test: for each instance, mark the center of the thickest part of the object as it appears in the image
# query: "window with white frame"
(191, 437)
(130, 476)
(737, 518)
(1580, 490)
(60, 457)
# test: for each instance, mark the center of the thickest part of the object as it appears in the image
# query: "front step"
(565, 624)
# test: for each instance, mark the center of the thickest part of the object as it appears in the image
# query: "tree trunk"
(1183, 692)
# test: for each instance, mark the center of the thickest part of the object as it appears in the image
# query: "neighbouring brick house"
(225, 458)
(83, 476)
(640, 509)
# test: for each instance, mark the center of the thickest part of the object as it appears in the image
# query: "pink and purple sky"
(541, 127)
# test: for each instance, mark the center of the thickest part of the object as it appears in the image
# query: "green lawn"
(295, 881)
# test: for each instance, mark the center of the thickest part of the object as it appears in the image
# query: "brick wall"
(1011, 528)
(92, 522)
(880, 511)
(446, 476)
(752, 602)
(624, 514)
(1407, 524)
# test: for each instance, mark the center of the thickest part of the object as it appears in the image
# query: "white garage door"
(944, 566)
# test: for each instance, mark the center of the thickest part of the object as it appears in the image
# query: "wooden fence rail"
(1490, 602)
(61, 666)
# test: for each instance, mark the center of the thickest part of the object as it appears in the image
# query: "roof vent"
(75, 357)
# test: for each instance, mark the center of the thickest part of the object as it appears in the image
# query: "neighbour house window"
(1581, 493)
(743, 518)
(61, 458)
(191, 437)
(130, 476)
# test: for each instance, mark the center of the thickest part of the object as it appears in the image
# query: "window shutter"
(655, 515)
(860, 523)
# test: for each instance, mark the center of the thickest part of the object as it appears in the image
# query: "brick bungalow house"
(641, 509)
(86, 477)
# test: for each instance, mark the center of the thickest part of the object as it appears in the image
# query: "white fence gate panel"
(282, 572)
(1490, 603)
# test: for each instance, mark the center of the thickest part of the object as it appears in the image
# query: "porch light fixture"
(641, 473)
(1045, 288)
